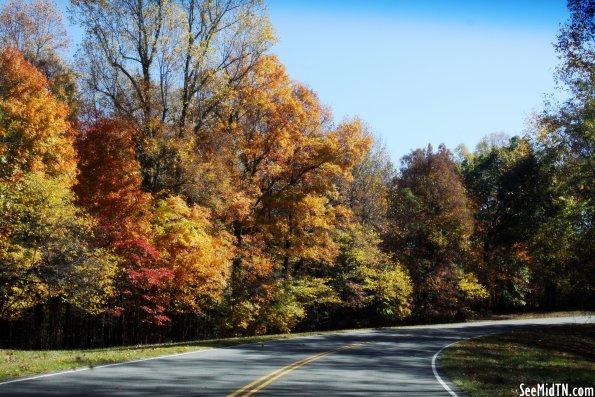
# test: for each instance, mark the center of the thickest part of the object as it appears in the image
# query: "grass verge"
(496, 365)
(531, 315)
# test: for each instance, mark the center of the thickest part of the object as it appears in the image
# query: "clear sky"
(434, 71)
(422, 71)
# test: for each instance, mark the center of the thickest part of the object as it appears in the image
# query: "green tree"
(371, 284)
(509, 189)
(566, 137)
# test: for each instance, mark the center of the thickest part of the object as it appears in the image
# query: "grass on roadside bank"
(495, 365)
(531, 315)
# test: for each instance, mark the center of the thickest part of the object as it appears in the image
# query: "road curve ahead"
(372, 362)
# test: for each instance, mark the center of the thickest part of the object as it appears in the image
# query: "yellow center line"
(266, 380)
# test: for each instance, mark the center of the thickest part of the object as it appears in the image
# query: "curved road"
(372, 362)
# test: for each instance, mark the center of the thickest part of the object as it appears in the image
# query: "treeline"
(174, 183)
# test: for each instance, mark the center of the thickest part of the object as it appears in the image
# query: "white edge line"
(435, 357)
(69, 371)
(446, 387)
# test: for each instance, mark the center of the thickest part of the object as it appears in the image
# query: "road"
(371, 362)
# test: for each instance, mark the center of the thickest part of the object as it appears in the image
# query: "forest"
(172, 182)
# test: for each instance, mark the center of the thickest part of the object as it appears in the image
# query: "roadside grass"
(530, 315)
(495, 365)
(20, 363)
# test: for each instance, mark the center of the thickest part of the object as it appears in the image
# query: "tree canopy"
(174, 183)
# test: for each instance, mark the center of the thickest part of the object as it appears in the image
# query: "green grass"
(496, 365)
(530, 315)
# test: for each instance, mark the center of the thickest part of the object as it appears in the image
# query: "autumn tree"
(36, 137)
(430, 230)
(282, 158)
(46, 249)
(374, 288)
(167, 65)
(196, 251)
(35, 27)
(173, 257)
(109, 188)
(109, 182)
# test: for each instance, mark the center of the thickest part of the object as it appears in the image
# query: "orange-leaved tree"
(109, 188)
(35, 134)
(174, 258)
(284, 158)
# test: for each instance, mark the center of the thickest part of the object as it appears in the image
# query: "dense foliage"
(175, 183)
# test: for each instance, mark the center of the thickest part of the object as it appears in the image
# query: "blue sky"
(422, 72)
(426, 71)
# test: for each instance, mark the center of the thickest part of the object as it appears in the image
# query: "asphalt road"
(372, 362)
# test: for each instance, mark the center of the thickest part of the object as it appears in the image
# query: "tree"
(167, 65)
(174, 258)
(509, 192)
(48, 252)
(284, 161)
(430, 229)
(576, 50)
(491, 141)
(373, 287)
(36, 29)
(567, 131)
(109, 188)
(46, 249)
(35, 135)
(109, 182)
(197, 253)
(367, 192)
(565, 136)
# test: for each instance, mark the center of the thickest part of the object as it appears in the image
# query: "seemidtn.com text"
(555, 390)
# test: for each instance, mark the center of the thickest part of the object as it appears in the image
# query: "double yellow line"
(266, 380)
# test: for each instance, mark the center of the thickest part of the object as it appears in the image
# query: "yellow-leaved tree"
(198, 254)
